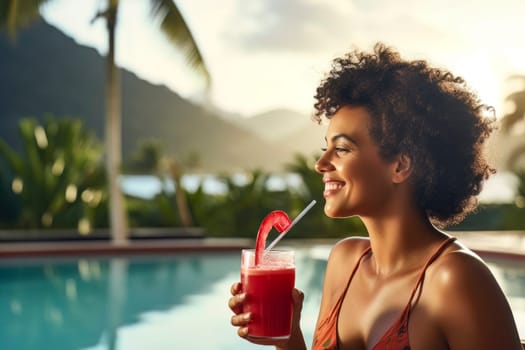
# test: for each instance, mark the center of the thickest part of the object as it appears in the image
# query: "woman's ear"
(402, 168)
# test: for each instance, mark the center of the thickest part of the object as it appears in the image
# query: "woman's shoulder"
(348, 249)
(343, 257)
(461, 280)
(459, 265)
(465, 298)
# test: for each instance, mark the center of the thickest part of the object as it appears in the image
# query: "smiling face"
(357, 180)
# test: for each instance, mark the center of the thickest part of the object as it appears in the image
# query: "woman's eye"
(338, 150)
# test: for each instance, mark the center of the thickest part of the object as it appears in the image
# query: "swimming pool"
(155, 302)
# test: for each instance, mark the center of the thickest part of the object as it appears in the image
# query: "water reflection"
(117, 296)
(158, 302)
(74, 304)
(511, 275)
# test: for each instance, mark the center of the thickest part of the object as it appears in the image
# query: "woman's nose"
(323, 164)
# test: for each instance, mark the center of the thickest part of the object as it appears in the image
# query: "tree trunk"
(113, 137)
(180, 195)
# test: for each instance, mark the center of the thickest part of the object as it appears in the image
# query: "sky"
(269, 54)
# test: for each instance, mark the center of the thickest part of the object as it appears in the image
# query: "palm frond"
(510, 120)
(177, 31)
(518, 114)
(15, 14)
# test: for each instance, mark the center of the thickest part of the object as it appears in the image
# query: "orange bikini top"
(396, 337)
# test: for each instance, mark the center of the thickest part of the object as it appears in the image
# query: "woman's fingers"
(236, 288)
(242, 332)
(235, 303)
(236, 300)
(241, 320)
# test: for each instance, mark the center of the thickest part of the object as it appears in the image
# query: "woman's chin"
(334, 212)
(337, 210)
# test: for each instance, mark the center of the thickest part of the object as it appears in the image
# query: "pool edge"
(40, 249)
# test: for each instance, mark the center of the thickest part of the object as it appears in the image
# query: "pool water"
(155, 302)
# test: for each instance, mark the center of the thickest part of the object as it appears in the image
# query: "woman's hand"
(235, 303)
(242, 320)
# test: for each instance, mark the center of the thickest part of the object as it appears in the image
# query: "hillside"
(291, 131)
(44, 71)
(274, 125)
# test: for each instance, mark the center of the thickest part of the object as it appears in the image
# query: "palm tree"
(172, 24)
(150, 159)
(511, 120)
(513, 124)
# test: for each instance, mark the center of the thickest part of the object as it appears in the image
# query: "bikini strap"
(341, 297)
(432, 258)
(365, 252)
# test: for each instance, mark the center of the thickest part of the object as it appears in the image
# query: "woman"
(404, 152)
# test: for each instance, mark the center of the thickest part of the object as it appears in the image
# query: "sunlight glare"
(481, 76)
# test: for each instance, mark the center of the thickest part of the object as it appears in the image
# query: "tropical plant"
(514, 123)
(9, 206)
(146, 159)
(150, 159)
(15, 13)
(57, 180)
(240, 208)
(517, 116)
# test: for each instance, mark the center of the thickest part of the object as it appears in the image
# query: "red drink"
(268, 289)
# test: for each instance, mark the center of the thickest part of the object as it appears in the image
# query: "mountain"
(275, 124)
(307, 140)
(45, 71)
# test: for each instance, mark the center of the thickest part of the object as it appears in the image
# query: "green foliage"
(146, 159)
(160, 211)
(239, 212)
(9, 206)
(494, 217)
(236, 213)
(521, 185)
(56, 180)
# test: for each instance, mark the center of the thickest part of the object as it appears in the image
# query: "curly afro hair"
(424, 112)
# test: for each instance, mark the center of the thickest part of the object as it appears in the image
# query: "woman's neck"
(401, 242)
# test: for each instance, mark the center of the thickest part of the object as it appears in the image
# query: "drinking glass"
(268, 287)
